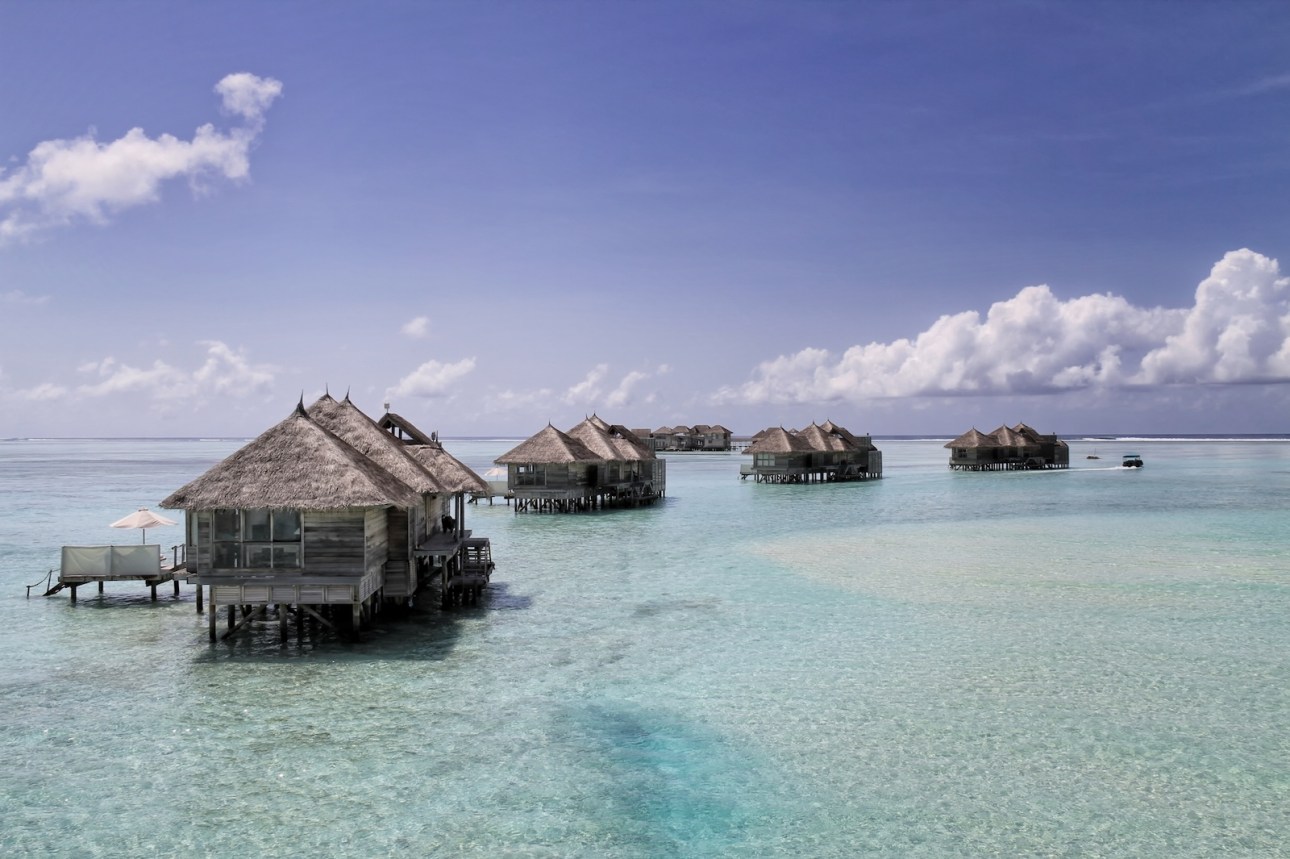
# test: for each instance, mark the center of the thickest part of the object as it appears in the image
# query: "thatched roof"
(347, 422)
(1006, 436)
(779, 440)
(860, 442)
(399, 427)
(610, 442)
(1036, 437)
(819, 439)
(452, 473)
(548, 445)
(296, 464)
(630, 444)
(971, 439)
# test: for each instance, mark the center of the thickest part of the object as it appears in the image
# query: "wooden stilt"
(282, 623)
(211, 612)
(74, 587)
(199, 599)
(100, 586)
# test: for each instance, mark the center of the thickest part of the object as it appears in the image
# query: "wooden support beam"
(247, 617)
(211, 612)
(316, 616)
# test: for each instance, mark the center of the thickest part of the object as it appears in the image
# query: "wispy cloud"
(225, 372)
(595, 389)
(622, 395)
(83, 180)
(590, 389)
(1237, 331)
(17, 296)
(431, 379)
(416, 328)
(1271, 83)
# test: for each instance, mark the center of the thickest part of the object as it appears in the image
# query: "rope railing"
(45, 583)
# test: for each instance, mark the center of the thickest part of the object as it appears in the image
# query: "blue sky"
(905, 217)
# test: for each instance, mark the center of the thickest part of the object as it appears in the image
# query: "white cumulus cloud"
(1238, 330)
(416, 328)
(247, 95)
(86, 180)
(431, 379)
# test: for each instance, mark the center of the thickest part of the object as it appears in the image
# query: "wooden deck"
(73, 581)
(83, 565)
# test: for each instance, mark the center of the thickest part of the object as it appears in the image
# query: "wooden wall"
(334, 542)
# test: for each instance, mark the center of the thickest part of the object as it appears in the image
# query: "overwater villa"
(328, 517)
(697, 437)
(1007, 449)
(820, 453)
(594, 465)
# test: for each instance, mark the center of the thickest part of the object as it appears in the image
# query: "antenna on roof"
(387, 405)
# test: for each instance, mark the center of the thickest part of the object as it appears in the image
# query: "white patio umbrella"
(143, 519)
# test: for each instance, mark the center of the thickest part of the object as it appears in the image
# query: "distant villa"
(594, 465)
(326, 516)
(819, 453)
(1006, 449)
(680, 437)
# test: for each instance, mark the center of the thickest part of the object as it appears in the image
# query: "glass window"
(225, 526)
(286, 525)
(226, 556)
(265, 540)
(258, 555)
(286, 556)
(255, 525)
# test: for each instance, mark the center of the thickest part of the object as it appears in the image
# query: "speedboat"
(1131, 460)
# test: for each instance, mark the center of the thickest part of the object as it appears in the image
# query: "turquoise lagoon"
(1093, 662)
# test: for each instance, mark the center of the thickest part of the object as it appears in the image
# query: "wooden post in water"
(199, 599)
(210, 616)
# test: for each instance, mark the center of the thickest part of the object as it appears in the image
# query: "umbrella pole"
(144, 538)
